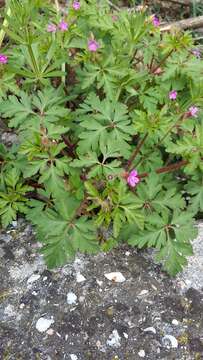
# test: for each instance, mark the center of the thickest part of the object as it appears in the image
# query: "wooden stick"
(183, 2)
(191, 23)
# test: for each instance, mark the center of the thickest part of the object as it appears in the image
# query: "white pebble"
(73, 357)
(33, 278)
(10, 310)
(99, 282)
(115, 277)
(172, 339)
(141, 353)
(125, 335)
(114, 339)
(150, 329)
(50, 332)
(143, 292)
(80, 278)
(71, 298)
(175, 322)
(43, 324)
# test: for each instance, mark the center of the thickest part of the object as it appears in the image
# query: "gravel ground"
(192, 276)
(80, 312)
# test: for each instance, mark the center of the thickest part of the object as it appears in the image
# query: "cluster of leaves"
(85, 119)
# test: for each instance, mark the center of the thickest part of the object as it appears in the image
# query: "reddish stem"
(136, 152)
(168, 168)
(70, 146)
(162, 61)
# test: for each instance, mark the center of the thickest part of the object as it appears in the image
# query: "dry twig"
(191, 23)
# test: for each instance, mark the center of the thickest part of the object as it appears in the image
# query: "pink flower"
(76, 5)
(197, 53)
(114, 18)
(3, 59)
(193, 111)
(133, 178)
(93, 45)
(173, 95)
(51, 28)
(156, 21)
(63, 26)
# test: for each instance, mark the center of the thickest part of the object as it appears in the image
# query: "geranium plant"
(108, 113)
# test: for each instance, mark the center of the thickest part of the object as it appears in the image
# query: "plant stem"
(168, 168)
(33, 59)
(57, 6)
(63, 78)
(37, 196)
(151, 63)
(5, 25)
(163, 61)
(63, 66)
(161, 140)
(136, 151)
(70, 146)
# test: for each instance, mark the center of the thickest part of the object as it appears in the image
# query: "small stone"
(81, 299)
(73, 357)
(173, 341)
(10, 310)
(125, 335)
(80, 278)
(33, 278)
(14, 224)
(175, 322)
(115, 277)
(22, 306)
(150, 329)
(127, 253)
(141, 353)
(43, 324)
(99, 282)
(71, 298)
(143, 292)
(98, 344)
(114, 339)
(50, 332)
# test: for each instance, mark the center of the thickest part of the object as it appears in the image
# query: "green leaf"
(12, 178)
(155, 197)
(109, 124)
(7, 215)
(34, 111)
(62, 234)
(171, 237)
(195, 189)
